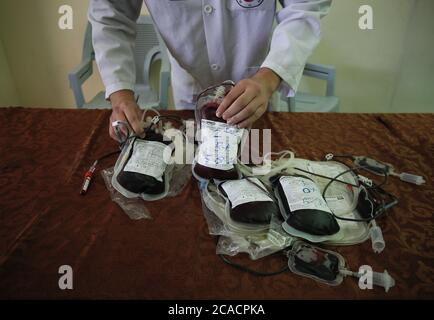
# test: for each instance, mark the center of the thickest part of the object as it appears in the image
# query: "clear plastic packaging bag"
(256, 246)
(257, 240)
(181, 177)
(134, 207)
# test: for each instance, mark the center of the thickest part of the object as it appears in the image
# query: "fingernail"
(217, 114)
(230, 121)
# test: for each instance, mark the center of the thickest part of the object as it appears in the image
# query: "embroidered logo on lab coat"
(250, 3)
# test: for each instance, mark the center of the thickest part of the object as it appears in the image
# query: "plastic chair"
(304, 102)
(149, 48)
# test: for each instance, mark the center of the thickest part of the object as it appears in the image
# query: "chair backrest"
(318, 71)
(149, 47)
(323, 72)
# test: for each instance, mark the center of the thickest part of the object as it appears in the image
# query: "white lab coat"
(209, 41)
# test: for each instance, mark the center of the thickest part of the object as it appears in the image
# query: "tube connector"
(383, 280)
(377, 240)
(412, 178)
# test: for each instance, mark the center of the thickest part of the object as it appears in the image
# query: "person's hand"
(125, 108)
(248, 100)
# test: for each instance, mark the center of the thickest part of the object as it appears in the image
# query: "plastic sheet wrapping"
(134, 207)
(256, 246)
(235, 238)
(181, 177)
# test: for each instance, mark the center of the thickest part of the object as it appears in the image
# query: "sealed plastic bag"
(303, 206)
(218, 141)
(215, 204)
(135, 208)
(341, 197)
(256, 239)
(248, 201)
(316, 263)
(256, 246)
(330, 267)
(144, 171)
(146, 165)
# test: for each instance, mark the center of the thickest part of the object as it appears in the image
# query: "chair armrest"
(153, 55)
(164, 89)
(164, 82)
(324, 72)
(76, 79)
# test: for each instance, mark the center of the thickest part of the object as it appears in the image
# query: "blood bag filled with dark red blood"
(316, 263)
(249, 201)
(303, 206)
(219, 141)
(143, 172)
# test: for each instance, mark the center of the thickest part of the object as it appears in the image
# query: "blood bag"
(248, 201)
(143, 172)
(146, 165)
(303, 206)
(316, 263)
(219, 142)
(330, 267)
(216, 204)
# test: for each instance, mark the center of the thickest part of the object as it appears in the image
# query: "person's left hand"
(248, 100)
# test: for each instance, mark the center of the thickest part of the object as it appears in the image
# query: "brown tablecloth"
(45, 223)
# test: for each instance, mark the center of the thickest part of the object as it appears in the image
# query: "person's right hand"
(125, 108)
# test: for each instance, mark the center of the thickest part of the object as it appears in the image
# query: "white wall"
(373, 65)
(8, 91)
(414, 90)
(40, 55)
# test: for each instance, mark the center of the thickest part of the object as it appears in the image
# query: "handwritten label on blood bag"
(147, 158)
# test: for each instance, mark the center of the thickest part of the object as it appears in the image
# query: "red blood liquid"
(208, 112)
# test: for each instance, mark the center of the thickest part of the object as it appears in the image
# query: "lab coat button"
(208, 9)
(215, 67)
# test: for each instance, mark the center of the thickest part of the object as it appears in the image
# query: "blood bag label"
(302, 193)
(147, 158)
(244, 191)
(219, 147)
(338, 203)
